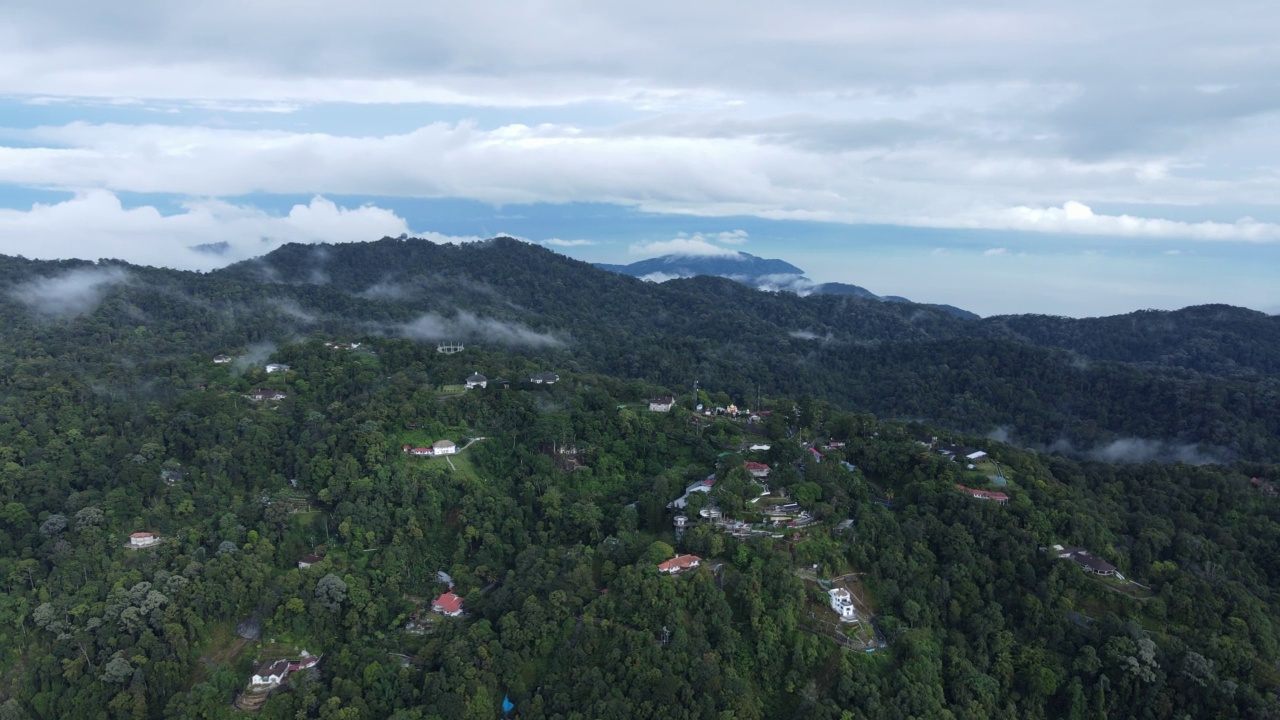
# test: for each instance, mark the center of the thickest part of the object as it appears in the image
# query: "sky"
(1076, 159)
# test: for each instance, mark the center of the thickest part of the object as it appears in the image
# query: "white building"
(704, 485)
(444, 447)
(477, 381)
(270, 674)
(842, 603)
(277, 367)
(143, 539)
(662, 404)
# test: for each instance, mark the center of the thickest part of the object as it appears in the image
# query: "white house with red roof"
(679, 563)
(984, 494)
(143, 539)
(448, 604)
(757, 470)
(417, 451)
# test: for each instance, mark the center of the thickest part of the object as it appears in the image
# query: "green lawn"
(982, 472)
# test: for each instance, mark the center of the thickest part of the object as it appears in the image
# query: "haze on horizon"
(1077, 160)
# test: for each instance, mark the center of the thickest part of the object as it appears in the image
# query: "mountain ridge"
(761, 273)
(1205, 374)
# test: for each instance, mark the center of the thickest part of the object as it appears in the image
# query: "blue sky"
(1078, 160)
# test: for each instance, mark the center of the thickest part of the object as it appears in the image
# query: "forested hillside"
(550, 522)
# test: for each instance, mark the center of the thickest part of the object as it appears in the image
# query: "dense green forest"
(551, 519)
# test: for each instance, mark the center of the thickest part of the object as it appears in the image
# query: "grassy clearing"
(224, 647)
(1124, 587)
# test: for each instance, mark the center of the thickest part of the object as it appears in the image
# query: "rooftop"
(679, 562)
(448, 602)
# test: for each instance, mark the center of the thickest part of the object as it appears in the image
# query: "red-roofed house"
(984, 494)
(679, 563)
(417, 451)
(306, 661)
(143, 539)
(757, 470)
(448, 603)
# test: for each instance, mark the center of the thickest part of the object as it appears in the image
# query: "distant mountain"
(741, 266)
(761, 273)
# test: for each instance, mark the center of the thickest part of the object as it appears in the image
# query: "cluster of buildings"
(342, 346)
(439, 447)
(476, 380)
(265, 394)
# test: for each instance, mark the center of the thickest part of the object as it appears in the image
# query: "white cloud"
(731, 237)
(466, 325)
(693, 246)
(94, 224)
(909, 112)
(1077, 218)
(75, 292)
(659, 277)
(558, 163)
(995, 251)
(557, 242)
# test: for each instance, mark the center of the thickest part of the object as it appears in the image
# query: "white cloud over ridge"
(95, 224)
(466, 325)
(75, 292)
